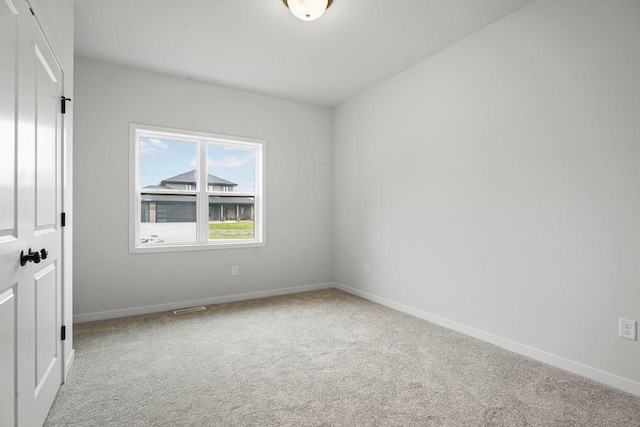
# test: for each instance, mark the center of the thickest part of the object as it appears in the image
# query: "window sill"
(195, 247)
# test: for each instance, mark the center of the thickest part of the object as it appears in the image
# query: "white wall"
(496, 185)
(299, 178)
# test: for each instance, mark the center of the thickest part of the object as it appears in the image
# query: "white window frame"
(203, 139)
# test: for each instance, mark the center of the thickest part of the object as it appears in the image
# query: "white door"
(30, 186)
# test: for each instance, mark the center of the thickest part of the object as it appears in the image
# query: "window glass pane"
(231, 169)
(167, 218)
(231, 217)
(166, 164)
(173, 207)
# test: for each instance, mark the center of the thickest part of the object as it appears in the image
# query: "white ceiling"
(260, 46)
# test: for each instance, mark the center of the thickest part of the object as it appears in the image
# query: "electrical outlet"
(366, 269)
(629, 329)
(234, 270)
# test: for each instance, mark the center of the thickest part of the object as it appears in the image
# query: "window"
(195, 190)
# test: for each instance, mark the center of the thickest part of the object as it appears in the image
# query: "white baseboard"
(603, 377)
(68, 363)
(133, 311)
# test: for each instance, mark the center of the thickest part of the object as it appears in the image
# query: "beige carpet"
(322, 358)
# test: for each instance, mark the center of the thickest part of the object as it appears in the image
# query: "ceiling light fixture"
(308, 10)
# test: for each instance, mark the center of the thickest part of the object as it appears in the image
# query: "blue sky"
(161, 159)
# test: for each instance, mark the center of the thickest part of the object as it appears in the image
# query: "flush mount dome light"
(308, 10)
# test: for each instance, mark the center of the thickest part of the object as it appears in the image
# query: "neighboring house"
(182, 208)
(187, 181)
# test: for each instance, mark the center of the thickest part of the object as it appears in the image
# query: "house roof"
(231, 200)
(190, 178)
(167, 198)
(171, 198)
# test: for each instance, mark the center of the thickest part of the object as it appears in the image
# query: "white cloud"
(228, 162)
(151, 147)
(238, 149)
(246, 188)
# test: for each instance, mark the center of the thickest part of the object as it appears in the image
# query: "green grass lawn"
(231, 230)
(232, 225)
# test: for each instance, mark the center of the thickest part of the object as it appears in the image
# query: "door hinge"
(63, 333)
(63, 219)
(63, 104)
